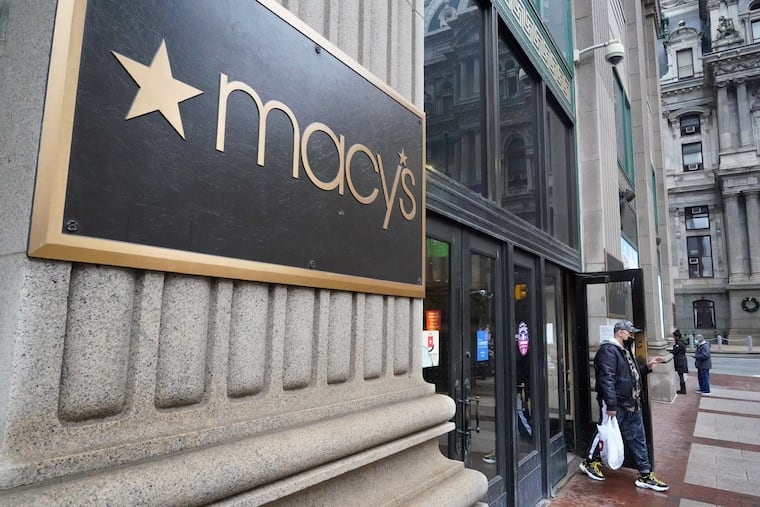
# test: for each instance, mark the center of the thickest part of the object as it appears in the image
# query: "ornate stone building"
(139, 372)
(711, 145)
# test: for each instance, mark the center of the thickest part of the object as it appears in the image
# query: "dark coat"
(679, 356)
(614, 381)
(702, 357)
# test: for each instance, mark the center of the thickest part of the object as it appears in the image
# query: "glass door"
(601, 299)
(556, 370)
(463, 339)
(526, 350)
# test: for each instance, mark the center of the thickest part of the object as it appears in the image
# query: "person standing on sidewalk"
(679, 359)
(618, 386)
(703, 362)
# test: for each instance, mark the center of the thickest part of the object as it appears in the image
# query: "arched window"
(754, 20)
(704, 314)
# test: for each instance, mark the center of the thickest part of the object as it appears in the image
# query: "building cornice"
(673, 114)
(672, 4)
(732, 64)
(681, 87)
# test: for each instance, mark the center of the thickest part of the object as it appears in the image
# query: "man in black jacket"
(618, 388)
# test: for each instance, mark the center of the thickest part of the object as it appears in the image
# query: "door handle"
(468, 405)
(477, 413)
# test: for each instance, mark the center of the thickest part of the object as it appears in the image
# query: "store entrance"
(463, 335)
(601, 299)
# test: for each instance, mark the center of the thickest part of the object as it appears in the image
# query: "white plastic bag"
(611, 447)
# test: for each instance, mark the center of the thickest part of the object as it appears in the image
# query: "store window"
(690, 125)
(685, 60)
(556, 16)
(697, 217)
(692, 156)
(518, 138)
(559, 176)
(527, 167)
(704, 314)
(454, 95)
(623, 131)
(700, 256)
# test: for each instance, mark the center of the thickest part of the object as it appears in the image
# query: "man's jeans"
(632, 429)
(703, 376)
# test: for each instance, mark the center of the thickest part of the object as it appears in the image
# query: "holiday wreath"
(750, 304)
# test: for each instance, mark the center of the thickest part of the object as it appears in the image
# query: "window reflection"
(517, 129)
(524, 334)
(483, 366)
(454, 99)
(553, 369)
(556, 14)
(558, 177)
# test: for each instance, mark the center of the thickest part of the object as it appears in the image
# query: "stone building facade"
(711, 146)
(157, 386)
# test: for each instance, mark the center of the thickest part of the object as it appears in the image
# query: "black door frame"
(586, 426)
(531, 472)
(462, 241)
(556, 444)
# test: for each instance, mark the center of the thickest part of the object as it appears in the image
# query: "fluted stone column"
(724, 126)
(745, 125)
(753, 229)
(737, 239)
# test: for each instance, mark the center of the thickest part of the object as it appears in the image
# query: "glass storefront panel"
(483, 365)
(524, 340)
(553, 367)
(437, 314)
(556, 16)
(560, 179)
(454, 97)
(460, 345)
(518, 162)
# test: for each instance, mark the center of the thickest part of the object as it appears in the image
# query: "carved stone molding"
(755, 106)
(669, 4)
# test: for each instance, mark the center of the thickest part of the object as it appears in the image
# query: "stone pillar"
(753, 230)
(736, 236)
(724, 126)
(745, 125)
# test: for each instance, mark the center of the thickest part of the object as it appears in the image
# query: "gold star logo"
(402, 158)
(159, 91)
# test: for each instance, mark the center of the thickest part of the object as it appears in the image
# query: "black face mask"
(628, 342)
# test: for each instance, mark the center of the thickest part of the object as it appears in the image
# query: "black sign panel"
(225, 138)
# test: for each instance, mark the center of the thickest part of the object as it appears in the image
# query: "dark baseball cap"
(627, 325)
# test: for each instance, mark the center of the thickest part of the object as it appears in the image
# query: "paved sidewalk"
(706, 447)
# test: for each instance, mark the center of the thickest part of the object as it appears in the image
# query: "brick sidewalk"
(706, 447)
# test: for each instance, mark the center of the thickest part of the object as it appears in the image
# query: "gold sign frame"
(47, 240)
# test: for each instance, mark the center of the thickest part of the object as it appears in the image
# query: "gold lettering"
(389, 199)
(350, 155)
(339, 145)
(225, 89)
(409, 215)
(404, 176)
